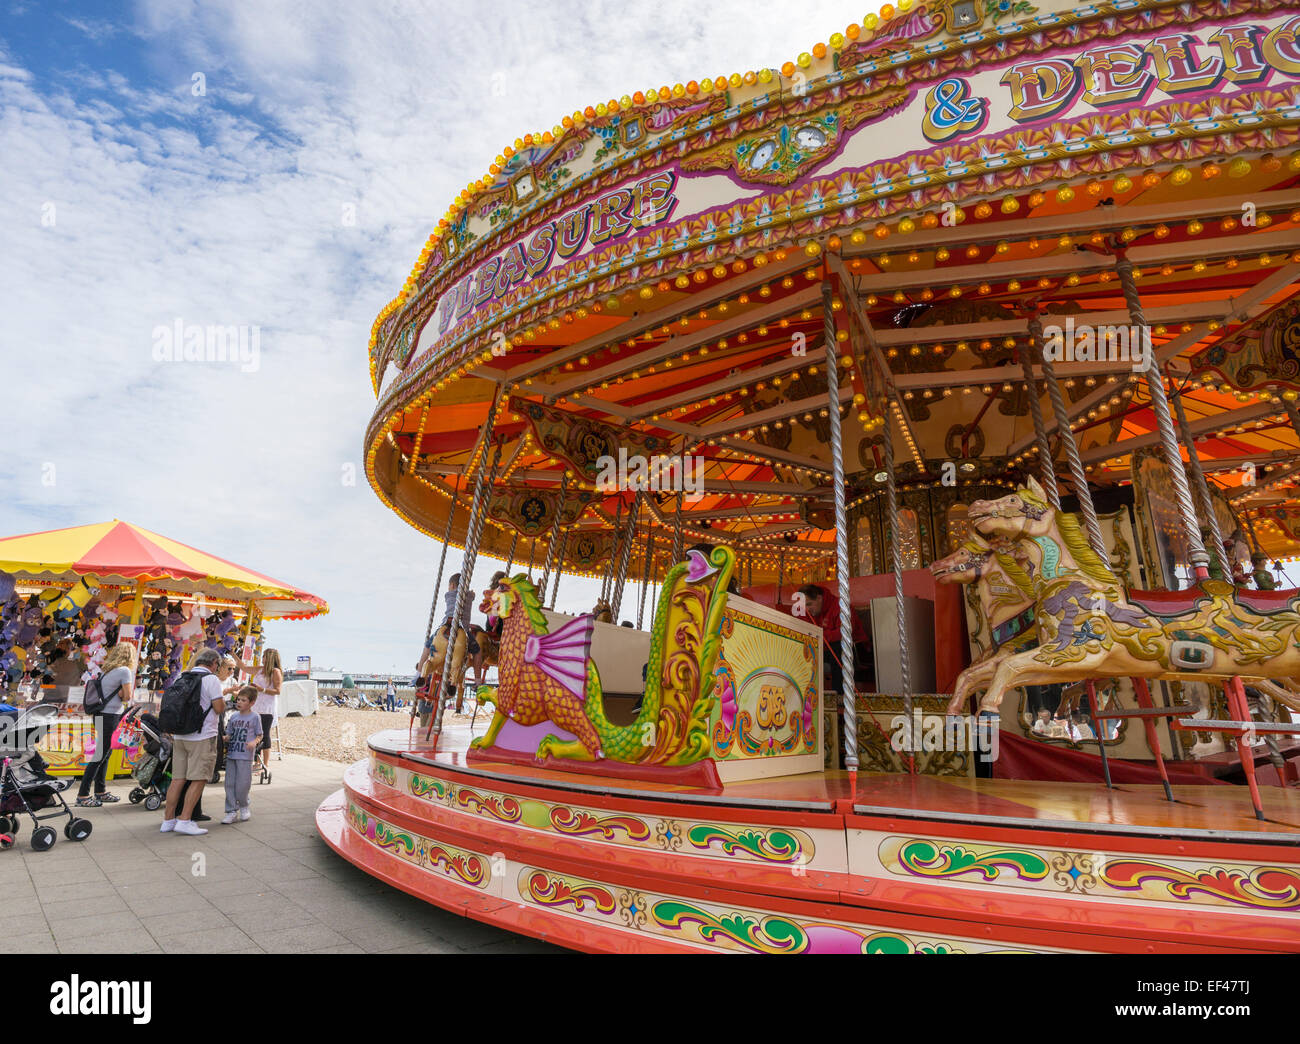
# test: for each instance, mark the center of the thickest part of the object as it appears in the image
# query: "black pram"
(26, 787)
(153, 772)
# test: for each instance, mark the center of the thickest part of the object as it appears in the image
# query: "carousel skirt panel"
(913, 866)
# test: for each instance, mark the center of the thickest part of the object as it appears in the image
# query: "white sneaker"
(228, 818)
(168, 825)
(245, 814)
(188, 826)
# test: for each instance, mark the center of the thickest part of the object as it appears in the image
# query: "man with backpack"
(191, 711)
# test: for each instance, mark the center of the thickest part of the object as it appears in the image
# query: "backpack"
(182, 710)
(93, 701)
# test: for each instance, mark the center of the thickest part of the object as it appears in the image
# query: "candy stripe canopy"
(120, 554)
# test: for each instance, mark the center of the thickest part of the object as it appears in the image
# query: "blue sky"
(132, 198)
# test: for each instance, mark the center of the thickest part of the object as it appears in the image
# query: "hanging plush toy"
(191, 628)
(71, 603)
(32, 616)
(224, 632)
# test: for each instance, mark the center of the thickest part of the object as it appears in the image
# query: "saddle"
(1172, 603)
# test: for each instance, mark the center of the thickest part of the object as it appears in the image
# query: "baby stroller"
(153, 772)
(26, 786)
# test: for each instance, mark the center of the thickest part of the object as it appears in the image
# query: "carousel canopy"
(120, 554)
(674, 275)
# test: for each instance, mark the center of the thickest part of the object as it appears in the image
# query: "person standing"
(243, 736)
(194, 754)
(390, 699)
(117, 681)
(267, 682)
(227, 673)
(823, 609)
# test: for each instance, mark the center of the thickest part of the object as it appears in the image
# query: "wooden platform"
(799, 864)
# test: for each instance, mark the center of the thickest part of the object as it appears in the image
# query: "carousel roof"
(659, 277)
(120, 554)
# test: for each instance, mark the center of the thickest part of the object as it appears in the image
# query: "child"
(243, 735)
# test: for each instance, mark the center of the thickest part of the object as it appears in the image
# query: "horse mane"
(1016, 573)
(1089, 562)
(532, 606)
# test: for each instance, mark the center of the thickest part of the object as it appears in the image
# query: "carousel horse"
(1089, 626)
(549, 676)
(437, 659)
(488, 643)
(1005, 593)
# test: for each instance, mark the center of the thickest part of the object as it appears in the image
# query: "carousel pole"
(485, 479)
(514, 542)
(677, 533)
(559, 569)
(1258, 560)
(1077, 473)
(896, 564)
(552, 544)
(1233, 689)
(625, 557)
(645, 574)
(1084, 495)
(442, 561)
(1046, 467)
(607, 577)
(849, 690)
(1202, 490)
(780, 577)
(532, 553)
(1164, 421)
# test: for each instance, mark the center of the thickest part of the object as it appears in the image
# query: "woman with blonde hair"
(117, 680)
(267, 682)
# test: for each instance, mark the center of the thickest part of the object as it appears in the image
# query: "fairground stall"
(943, 383)
(69, 595)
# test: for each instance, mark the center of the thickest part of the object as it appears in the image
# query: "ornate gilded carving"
(782, 152)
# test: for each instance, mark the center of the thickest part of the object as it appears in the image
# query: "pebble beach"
(339, 733)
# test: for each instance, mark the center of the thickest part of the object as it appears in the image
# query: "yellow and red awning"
(123, 555)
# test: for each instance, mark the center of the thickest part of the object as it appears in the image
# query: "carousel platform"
(795, 864)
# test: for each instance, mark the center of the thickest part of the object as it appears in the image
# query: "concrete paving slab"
(269, 885)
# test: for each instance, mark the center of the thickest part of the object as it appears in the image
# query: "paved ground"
(270, 885)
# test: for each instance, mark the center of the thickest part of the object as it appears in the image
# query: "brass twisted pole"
(477, 514)
(555, 536)
(1202, 490)
(442, 561)
(616, 600)
(848, 692)
(1079, 476)
(1046, 467)
(1160, 406)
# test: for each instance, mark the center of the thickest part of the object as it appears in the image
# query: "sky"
(275, 166)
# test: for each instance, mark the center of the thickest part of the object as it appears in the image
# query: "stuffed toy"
(71, 603)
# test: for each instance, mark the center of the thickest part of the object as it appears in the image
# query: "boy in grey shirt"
(243, 735)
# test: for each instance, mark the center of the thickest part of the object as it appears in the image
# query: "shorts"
(267, 721)
(194, 759)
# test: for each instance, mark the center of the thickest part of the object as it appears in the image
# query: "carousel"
(941, 385)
